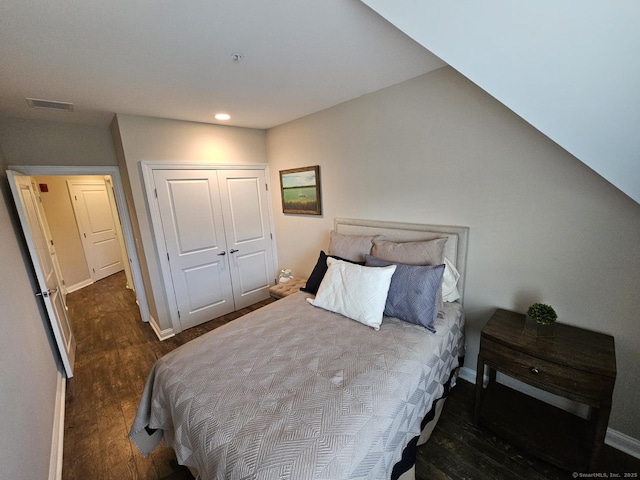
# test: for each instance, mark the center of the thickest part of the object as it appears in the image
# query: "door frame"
(123, 212)
(147, 167)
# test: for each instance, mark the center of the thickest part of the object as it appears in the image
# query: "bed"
(297, 391)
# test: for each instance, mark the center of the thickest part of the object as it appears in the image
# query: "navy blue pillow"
(314, 280)
(413, 293)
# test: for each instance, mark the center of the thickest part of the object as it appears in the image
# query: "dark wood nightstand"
(575, 363)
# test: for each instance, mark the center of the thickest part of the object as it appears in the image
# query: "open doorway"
(129, 256)
(85, 228)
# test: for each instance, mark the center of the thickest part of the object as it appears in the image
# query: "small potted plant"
(544, 317)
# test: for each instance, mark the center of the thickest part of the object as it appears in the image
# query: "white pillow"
(355, 291)
(450, 279)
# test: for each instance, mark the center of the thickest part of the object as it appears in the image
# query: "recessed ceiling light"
(223, 116)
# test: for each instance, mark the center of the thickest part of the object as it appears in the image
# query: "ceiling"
(175, 59)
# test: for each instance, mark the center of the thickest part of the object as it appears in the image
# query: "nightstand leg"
(601, 422)
(479, 390)
(492, 374)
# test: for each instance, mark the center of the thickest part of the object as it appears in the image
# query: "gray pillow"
(413, 294)
(421, 252)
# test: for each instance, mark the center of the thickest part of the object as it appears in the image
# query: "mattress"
(292, 391)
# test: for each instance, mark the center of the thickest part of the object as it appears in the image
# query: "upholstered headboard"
(455, 249)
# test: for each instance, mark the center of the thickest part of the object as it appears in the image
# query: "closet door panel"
(244, 200)
(193, 215)
(245, 210)
(192, 222)
(253, 271)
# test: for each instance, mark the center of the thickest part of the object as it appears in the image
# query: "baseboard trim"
(161, 334)
(79, 285)
(613, 438)
(622, 442)
(57, 437)
(467, 374)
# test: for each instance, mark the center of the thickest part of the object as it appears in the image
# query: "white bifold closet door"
(216, 231)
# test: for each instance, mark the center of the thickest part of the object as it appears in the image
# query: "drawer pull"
(534, 370)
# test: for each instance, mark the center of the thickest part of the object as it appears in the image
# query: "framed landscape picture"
(300, 189)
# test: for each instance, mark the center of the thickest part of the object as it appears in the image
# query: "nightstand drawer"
(582, 386)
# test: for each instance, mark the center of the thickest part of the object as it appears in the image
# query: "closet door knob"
(233, 250)
(222, 253)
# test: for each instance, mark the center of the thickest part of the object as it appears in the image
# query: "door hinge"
(76, 197)
(271, 235)
(168, 257)
(62, 281)
(266, 185)
(85, 235)
(155, 191)
(51, 241)
(178, 313)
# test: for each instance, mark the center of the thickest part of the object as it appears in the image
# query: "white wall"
(144, 138)
(41, 142)
(543, 226)
(29, 370)
(569, 68)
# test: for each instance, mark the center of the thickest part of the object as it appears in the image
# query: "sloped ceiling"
(571, 68)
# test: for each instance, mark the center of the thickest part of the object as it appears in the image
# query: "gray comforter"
(295, 392)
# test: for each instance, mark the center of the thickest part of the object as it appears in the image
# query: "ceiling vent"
(50, 104)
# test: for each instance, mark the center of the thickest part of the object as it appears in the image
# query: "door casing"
(127, 228)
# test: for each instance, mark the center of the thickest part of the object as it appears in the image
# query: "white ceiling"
(174, 59)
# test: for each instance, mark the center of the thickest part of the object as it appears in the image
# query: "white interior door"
(27, 206)
(244, 202)
(44, 224)
(98, 232)
(189, 204)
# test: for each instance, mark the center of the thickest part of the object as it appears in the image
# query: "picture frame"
(300, 189)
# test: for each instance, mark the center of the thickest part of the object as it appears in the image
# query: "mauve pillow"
(350, 247)
(425, 252)
(413, 293)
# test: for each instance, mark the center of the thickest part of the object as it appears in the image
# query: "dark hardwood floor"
(116, 351)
